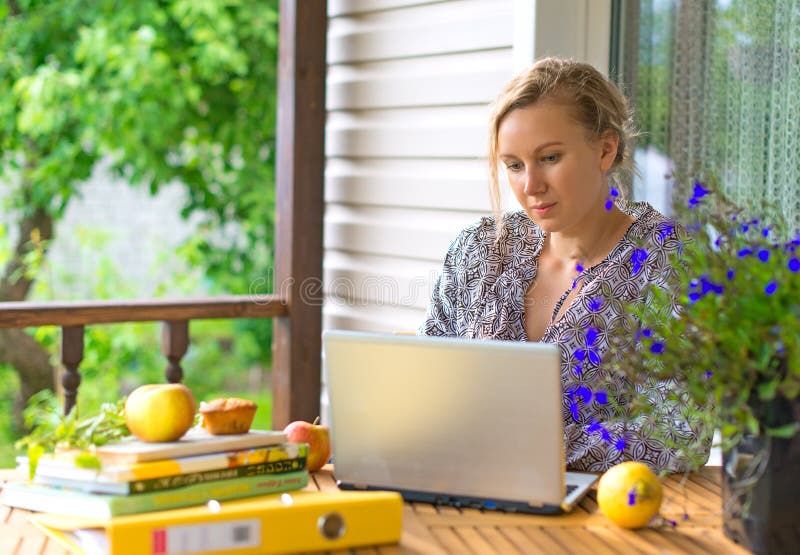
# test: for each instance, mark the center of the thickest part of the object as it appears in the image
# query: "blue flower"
(664, 230)
(698, 193)
(771, 288)
(588, 351)
(657, 348)
(794, 265)
(638, 256)
(705, 287)
(620, 444)
(730, 275)
(584, 393)
(708, 374)
(595, 304)
(574, 410)
(601, 397)
(744, 252)
(763, 255)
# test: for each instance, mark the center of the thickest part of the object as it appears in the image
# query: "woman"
(563, 269)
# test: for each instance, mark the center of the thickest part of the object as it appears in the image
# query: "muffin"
(228, 416)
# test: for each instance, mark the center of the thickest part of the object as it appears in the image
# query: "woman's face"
(555, 171)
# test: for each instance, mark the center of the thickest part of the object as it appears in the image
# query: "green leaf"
(767, 390)
(35, 451)
(87, 460)
(786, 431)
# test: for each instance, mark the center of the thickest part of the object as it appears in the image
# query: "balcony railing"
(175, 314)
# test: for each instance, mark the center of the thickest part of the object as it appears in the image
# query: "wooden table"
(429, 529)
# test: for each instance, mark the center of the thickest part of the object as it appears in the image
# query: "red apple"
(318, 439)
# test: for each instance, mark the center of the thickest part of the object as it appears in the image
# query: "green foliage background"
(167, 91)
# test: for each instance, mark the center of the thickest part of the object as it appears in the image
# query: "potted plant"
(726, 334)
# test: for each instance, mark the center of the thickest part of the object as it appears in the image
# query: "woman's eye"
(514, 166)
(550, 158)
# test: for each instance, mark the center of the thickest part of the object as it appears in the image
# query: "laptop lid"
(450, 416)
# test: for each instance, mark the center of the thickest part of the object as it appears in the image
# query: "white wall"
(408, 87)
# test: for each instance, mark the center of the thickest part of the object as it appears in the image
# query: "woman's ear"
(609, 143)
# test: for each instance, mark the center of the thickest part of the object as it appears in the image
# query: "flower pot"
(761, 488)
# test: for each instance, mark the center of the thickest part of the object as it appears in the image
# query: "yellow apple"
(160, 412)
(318, 439)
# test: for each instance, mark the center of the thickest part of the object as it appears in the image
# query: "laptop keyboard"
(570, 489)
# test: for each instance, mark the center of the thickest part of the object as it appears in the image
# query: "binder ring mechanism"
(331, 526)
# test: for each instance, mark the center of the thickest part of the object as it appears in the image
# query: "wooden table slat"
(500, 543)
(416, 536)
(579, 540)
(522, 542)
(692, 495)
(632, 539)
(449, 540)
(326, 479)
(712, 487)
(679, 543)
(472, 538)
(546, 538)
(424, 508)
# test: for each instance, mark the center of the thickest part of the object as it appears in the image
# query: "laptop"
(450, 421)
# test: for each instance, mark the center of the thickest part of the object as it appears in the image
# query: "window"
(716, 86)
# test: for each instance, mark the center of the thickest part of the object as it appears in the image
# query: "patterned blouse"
(480, 294)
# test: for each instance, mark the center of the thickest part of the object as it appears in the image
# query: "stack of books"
(137, 477)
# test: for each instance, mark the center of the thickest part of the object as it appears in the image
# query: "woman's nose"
(533, 183)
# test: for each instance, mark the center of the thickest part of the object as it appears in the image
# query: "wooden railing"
(174, 313)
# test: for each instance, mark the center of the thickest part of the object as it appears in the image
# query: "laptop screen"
(446, 415)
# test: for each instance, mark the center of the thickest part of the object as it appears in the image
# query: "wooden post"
(174, 343)
(71, 357)
(300, 156)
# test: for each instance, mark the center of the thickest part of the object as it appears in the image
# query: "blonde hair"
(596, 103)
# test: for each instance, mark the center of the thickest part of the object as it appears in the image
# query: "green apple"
(160, 412)
(318, 439)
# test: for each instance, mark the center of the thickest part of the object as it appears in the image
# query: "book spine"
(63, 468)
(181, 480)
(137, 487)
(197, 494)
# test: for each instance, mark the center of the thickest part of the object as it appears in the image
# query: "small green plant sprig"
(51, 430)
(727, 329)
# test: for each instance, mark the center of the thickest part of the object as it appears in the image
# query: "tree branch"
(13, 8)
(15, 285)
(32, 363)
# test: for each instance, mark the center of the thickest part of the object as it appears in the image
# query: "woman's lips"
(542, 209)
